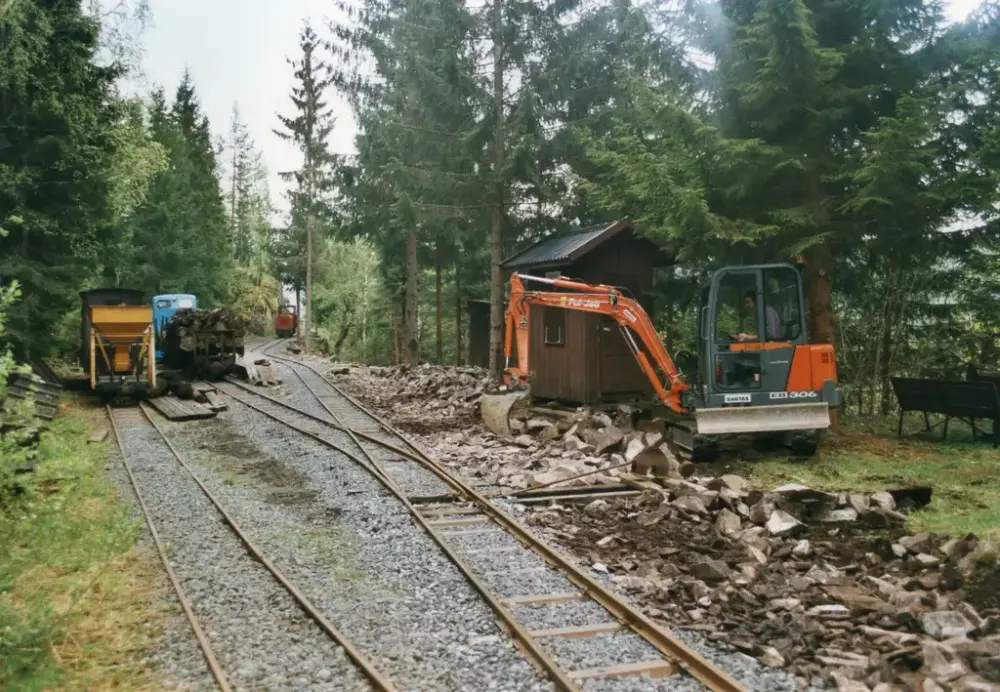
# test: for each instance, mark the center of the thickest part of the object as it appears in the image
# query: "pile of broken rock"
(827, 585)
(424, 398)
(556, 448)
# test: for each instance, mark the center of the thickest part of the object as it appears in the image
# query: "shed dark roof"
(565, 247)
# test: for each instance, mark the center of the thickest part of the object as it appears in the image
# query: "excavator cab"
(757, 371)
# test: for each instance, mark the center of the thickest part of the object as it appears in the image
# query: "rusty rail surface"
(360, 660)
(666, 643)
(206, 648)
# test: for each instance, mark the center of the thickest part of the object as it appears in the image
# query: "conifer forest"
(521, 345)
(861, 135)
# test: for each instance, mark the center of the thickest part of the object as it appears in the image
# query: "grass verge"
(964, 475)
(76, 595)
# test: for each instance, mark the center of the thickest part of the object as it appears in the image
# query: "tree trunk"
(819, 264)
(307, 322)
(412, 336)
(496, 230)
(439, 308)
(818, 267)
(458, 316)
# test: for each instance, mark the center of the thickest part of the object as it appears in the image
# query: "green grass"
(964, 475)
(330, 549)
(76, 609)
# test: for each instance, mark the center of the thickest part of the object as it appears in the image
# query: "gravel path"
(177, 659)
(261, 637)
(356, 553)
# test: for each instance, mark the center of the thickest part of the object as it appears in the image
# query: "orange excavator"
(755, 373)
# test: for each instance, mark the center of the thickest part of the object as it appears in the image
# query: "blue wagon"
(164, 308)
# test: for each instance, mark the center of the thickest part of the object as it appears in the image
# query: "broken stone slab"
(608, 439)
(761, 512)
(859, 503)
(942, 663)
(727, 523)
(802, 549)
(772, 658)
(927, 560)
(884, 500)
(710, 570)
(690, 503)
(781, 524)
(526, 441)
(840, 516)
(916, 544)
(737, 484)
(831, 610)
(945, 624)
(634, 448)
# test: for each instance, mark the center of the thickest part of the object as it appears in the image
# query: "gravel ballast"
(260, 635)
(356, 553)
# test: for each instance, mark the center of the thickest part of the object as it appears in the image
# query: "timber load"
(203, 342)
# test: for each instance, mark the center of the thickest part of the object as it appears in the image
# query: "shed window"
(555, 326)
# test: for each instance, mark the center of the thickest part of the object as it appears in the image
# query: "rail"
(366, 667)
(667, 644)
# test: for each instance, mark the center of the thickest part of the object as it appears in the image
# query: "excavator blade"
(496, 410)
(751, 419)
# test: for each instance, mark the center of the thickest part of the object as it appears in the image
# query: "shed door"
(619, 374)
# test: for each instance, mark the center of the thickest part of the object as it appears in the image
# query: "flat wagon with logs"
(203, 342)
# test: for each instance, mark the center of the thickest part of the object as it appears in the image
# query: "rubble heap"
(420, 399)
(828, 585)
(551, 446)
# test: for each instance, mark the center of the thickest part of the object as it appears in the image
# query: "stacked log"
(197, 340)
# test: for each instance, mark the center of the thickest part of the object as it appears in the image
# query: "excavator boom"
(602, 300)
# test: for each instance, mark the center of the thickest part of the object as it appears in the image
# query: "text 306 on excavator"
(755, 371)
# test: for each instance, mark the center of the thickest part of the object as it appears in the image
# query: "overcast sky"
(236, 50)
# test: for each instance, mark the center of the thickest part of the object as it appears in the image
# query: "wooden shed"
(578, 357)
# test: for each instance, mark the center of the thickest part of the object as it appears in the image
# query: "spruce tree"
(309, 129)
(58, 112)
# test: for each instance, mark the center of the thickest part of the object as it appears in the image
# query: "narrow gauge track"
(141, 419)
(466, 525)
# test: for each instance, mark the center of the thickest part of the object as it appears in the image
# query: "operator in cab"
(772, 320)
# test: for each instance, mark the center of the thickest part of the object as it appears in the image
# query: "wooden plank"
(660, 668)
(174, 409)
(468, 532)
(544, 598)
(214, 402)
(433, 512)
(578, 631)
(575, 498)
(442, 523)
(521, 570)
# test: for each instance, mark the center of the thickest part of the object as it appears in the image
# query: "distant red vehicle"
(286, 322)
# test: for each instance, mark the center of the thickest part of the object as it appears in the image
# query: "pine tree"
(309, 129)
(822, 132)
(58, 113)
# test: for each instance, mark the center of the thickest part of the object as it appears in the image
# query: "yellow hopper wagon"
(118, 342)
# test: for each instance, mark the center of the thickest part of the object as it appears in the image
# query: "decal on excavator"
(737, 398)
(793, 395)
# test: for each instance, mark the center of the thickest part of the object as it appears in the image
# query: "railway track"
(242, 552)
(469, 529)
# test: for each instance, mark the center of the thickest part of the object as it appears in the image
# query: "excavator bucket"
(496, 410)
(752, 419)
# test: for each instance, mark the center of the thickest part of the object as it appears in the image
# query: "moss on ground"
(77, 608)
(964, 474)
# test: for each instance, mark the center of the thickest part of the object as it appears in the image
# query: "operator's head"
(750, 299)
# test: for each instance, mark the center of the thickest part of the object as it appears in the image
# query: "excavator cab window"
(735, 341)
(783, 309)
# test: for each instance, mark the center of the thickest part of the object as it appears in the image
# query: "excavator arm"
(602, 300)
